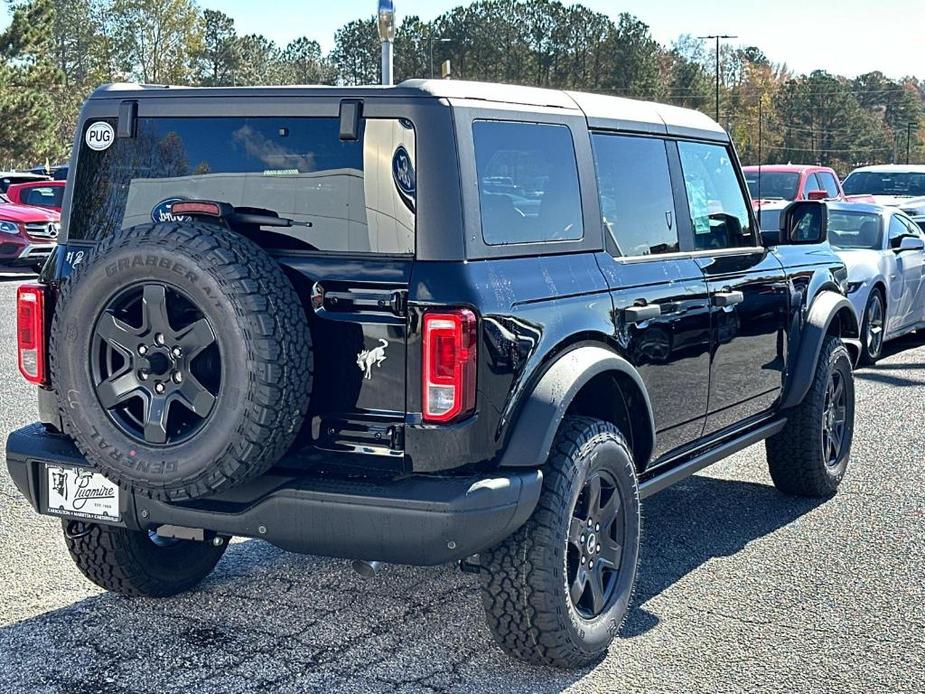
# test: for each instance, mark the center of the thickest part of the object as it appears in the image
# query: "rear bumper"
(420, 519)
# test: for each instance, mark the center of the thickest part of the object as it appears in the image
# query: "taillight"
(189, 207)
(30, 332)
(449, 364)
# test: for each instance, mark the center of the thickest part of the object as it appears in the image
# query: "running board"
(661, 479)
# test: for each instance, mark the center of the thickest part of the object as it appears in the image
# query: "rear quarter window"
(527, 182)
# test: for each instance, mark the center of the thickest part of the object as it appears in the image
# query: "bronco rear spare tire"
(181, 357)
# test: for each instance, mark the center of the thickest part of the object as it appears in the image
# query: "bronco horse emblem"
(369, 358)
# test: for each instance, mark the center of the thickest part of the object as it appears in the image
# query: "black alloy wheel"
(557, 590)
(809, 456)
(873, 324)
(156, 365)
(834, 419)
(595, 545)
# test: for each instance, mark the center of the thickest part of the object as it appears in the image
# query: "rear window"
(528, 182)
(344, 196)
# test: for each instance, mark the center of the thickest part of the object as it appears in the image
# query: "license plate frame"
(78, 492)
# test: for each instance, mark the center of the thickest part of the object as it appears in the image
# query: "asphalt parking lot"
(740, 588)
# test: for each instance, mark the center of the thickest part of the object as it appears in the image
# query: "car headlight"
(9, 228)
(854, 286)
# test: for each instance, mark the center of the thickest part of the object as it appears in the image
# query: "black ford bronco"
(432, 323)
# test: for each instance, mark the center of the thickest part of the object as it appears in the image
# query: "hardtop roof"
(600, 110)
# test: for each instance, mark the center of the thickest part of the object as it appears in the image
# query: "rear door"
(747, 287)
(661, 308)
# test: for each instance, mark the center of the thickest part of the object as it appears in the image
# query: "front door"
(908, 285)
(747, 286)
(661, 309)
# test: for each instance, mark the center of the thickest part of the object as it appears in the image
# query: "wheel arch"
(830, 313)
(589, 380)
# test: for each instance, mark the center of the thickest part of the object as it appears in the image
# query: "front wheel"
(139, 563)
(872, 332)
(556, 591)
(809, 456)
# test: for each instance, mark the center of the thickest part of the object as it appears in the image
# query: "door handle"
(638, 314)
(728, 298)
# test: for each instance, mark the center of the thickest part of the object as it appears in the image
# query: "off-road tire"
(866, 358)
(261, 329)
(523, 580)
(796, 459)
(130, 563)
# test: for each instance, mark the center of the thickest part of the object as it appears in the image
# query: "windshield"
(855, 230)
(772, 185)
(43, 196)
(908, 184)
(342, 195)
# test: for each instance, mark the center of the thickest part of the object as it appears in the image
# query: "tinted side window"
(718, 207)
(828, 183)
(528, 182)
(636, 200)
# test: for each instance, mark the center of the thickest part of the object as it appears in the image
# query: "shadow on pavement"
(699, 519)
(271, 621)
(906, 342)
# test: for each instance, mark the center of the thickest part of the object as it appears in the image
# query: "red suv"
(47, 194)
(27, 235)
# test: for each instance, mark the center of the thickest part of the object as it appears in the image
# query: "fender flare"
(535, 429)
(824, 309)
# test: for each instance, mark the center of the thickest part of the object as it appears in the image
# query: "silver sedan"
(884, 251)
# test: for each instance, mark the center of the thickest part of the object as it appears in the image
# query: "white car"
(884, 251)
(896, 185)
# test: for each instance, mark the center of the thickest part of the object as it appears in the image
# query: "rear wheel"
(810, 455)
(557, 590)
(139, 563)
(873, 329)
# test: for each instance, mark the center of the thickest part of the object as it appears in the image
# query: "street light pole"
(717, 37)
(431, 41)
(387, 38)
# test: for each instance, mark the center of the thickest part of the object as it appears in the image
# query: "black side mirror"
(804, 222)
(906, 243)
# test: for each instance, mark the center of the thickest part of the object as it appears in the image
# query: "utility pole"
(717, 37)
(387, 38)
(908, 140)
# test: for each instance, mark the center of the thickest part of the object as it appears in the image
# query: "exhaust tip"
(367, 569)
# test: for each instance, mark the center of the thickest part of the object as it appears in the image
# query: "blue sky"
(848, 37)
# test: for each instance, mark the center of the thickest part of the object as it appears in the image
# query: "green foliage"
(157, 41)
(26, 105)
(55, 52)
